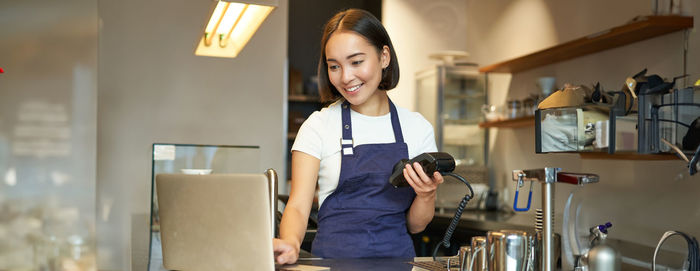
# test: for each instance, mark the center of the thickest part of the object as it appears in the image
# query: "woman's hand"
(424, 185)
(285, 252)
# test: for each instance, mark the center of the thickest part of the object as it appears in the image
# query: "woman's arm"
(423, 208)
(296, 213)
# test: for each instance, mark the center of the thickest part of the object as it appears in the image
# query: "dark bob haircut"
(365, 24)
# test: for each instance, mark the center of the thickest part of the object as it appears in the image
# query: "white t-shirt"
(320, 135)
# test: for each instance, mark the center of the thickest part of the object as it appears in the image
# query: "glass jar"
(529, 106)
(514, 109)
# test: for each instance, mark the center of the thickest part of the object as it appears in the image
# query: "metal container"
(480, 253)
(509, 250)
(465, 258)
(603, 257)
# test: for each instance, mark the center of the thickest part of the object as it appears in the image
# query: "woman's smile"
(353, 89)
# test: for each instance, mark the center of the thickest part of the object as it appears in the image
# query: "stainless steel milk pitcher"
(509, 250)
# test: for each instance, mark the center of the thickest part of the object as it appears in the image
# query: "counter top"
(388, 264)
(379, 264)
(487, 221)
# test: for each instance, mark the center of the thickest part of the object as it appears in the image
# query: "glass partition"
(194, 159)
(48, 104)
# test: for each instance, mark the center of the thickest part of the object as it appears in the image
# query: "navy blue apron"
(365, 217)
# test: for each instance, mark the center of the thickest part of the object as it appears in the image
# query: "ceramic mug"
(492, 112)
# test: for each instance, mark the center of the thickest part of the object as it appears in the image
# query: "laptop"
(215, 222)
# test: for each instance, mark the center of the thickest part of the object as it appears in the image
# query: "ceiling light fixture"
(231, 25)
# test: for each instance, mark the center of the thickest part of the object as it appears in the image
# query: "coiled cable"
(458, 214)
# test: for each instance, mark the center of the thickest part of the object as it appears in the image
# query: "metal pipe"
(550, 177)
(547, 228)
(272, 182)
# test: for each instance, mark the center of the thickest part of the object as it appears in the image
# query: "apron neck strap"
(395, 124)
(346, 142)
(347, 124)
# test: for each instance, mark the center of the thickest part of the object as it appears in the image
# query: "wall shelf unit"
(627, 156)
(510, 123)
(639, 29)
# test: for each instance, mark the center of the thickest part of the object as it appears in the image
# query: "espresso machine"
(547, 177)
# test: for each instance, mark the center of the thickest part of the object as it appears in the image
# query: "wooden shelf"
(460, 121)
(643, 28)
(304, 98)
(464, 96)
(627, 156)
(511, 123)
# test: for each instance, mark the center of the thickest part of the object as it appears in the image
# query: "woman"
(351, 146)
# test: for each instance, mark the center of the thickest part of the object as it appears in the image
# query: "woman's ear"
(385, 57)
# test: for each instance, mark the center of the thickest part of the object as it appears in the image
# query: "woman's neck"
(377, 105)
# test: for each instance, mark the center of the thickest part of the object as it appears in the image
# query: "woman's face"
(355, 66)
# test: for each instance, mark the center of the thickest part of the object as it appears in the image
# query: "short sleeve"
(309, 139)
(428, 140)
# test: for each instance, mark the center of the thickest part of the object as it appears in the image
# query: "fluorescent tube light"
(231, 25)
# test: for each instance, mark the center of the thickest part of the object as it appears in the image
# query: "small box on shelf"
(625, 134)
(668, 120)
(586, 128)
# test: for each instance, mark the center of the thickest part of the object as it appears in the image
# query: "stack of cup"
(507, 250)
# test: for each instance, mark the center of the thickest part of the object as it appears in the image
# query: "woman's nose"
(347, 76)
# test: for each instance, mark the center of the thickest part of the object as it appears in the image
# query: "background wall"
(499, 30)
(642, 199)
(418, 29)
(152, 88)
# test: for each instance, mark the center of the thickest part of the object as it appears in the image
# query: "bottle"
(601, 256)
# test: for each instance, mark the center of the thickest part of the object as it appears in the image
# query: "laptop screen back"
(215, 222)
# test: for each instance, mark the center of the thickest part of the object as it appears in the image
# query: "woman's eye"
(333, 67)
(357, 62)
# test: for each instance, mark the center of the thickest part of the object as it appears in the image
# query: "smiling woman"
(365, 34)
(361, 215)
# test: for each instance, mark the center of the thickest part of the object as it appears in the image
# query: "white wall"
(642, 199)
(417, 29)
(152, 88)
